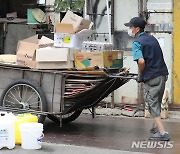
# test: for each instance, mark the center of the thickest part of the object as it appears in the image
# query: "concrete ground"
(53, 148)
(103, 135)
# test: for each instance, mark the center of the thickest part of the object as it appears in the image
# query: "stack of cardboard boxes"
(48, 54)
(65, 50)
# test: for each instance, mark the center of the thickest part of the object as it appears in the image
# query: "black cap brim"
(128, 24)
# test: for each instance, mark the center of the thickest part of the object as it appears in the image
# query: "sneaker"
(159, 137)
(154, 129)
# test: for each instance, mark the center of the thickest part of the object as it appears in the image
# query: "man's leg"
(158, 122)
(154, 97)
(160, 135)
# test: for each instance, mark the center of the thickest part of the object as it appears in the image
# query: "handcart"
(59, 94)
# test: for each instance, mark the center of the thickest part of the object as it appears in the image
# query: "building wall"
(164, 24)
(124, 10)
(176, 52)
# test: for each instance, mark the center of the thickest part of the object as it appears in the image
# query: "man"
(152, 71)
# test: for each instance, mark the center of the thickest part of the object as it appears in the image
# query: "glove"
(139, 79)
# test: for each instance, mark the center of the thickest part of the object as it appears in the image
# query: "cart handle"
(122, 75)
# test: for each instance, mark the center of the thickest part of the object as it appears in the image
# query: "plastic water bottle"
(7, 130)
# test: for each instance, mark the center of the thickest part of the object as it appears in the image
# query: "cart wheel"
(23, 94)
(66, 118)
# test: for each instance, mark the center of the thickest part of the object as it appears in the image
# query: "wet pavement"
(115, 133)
(104, 135)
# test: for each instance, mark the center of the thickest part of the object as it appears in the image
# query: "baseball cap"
(136, 22)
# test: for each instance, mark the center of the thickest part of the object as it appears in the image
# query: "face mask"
(130, 33)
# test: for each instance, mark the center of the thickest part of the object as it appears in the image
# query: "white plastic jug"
(31, 135)
(7, 130)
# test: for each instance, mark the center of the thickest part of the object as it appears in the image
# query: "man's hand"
(139, 79)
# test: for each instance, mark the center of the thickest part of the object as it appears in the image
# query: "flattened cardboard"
(8, 58)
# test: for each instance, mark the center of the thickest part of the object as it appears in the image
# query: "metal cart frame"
(52, 83)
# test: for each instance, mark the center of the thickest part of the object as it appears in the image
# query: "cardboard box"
(64, 36)
(107, 59)
(78, 22)
(55, 58)
(64, 28)
(26, 50)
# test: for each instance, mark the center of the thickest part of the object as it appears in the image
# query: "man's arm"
(141, 65)
(138, 56)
